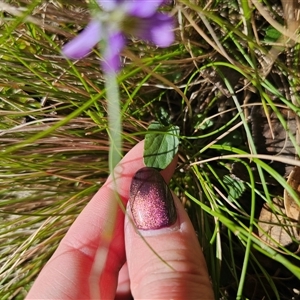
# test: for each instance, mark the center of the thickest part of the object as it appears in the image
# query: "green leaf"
(203, 123)
(161, 145)
(272, 35)
(235, 187)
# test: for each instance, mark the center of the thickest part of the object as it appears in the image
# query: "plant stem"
(114, 132)
(114, 119)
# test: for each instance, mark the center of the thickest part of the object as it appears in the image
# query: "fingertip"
(168, 172)
(161, 251)
(129, 165)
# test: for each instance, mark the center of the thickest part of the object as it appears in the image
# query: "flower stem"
(115, 137)
(114, 119)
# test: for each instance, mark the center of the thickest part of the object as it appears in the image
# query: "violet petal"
(158, 29)
(111, 55)
(83, 43)
(108, 5)
(142, 8)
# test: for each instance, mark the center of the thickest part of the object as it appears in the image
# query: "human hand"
(147, 263)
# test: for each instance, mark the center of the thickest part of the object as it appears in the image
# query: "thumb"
(164, 258)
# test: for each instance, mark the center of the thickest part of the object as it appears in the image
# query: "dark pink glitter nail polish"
(151, 201)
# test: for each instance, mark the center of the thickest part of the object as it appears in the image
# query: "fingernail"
(151, 202)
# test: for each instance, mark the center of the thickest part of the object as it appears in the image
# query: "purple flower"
(118, 18)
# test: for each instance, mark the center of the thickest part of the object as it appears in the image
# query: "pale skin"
(176, 269)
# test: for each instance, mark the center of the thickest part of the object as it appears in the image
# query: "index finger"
(66, 275)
